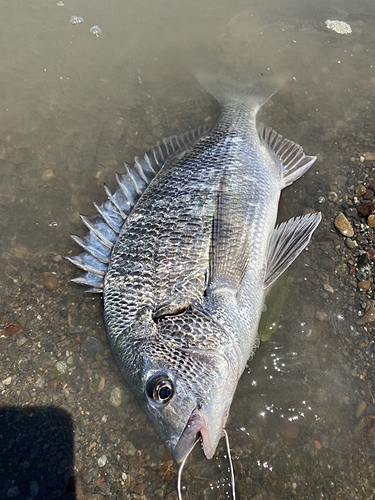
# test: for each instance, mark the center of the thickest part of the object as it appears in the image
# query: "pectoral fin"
(230, 245)
(286, 242)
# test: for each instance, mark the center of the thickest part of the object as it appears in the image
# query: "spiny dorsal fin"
(286, 242)
(295, 162)
(112, 213)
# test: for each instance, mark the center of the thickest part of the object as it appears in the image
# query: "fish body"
(188, 248)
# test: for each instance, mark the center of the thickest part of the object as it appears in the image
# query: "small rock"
(371, 252)
(360, 190)
(332, 196)
(364, 433)
(369, 156)
(50, 282)
(101, 384)
(364, 285)
(318, 444)
(343, 225)
(172, 496)
(167, 470)
(47, 175)
(61, 366)
(321, 315)
(13, 492)
(368, 194)
(20, 252)
(91, 346)
(34, 488)
(21, 341)
(7, 381)
(328, 288)
(102, 460)
(115, 398)
(139, 489)
(132, 450)
(361, 407)
(368, 317)
(371, 220)
(366, 209)
(351, 243)
(12, 328)
(289, 430)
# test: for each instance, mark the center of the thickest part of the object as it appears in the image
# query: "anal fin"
(286, 242)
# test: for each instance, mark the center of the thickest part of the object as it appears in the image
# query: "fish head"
(186, 383)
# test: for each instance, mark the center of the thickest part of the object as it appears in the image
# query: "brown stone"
(368, 194)
(343, 225)
(360, 190)
(371, 252)
(50, 282)
(167, 470)
(369, 156)
(289, 430)
(361, 407)
(371, 220)
(140, 488)
(12, 328)
(20, 252)
(364, 433)
(366, 209)
(364, 285)
(369, 316)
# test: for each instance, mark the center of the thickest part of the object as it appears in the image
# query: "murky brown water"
(74, 107)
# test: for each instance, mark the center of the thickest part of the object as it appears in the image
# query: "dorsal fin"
(105, 227)
(295, 162)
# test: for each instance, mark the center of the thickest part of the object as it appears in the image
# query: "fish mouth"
(195, 428)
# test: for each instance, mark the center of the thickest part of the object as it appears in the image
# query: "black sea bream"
(184, 252)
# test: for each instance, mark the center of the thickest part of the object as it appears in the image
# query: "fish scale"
(184, 252)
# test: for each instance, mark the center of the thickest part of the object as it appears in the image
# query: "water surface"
(74, 107)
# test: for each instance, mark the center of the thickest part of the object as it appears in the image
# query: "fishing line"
(232, 481)
(230, 465)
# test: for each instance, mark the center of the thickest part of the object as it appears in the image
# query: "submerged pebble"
(95, 30)
(364, 433)
(364, 285)
(368, 317)
(115, 398)
(371, 220)
(343, 225)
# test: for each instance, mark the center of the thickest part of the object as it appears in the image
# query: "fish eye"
(160, 389)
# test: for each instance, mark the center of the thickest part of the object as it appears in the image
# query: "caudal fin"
(224, 89)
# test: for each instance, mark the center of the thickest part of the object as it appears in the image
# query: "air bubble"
(76, 20)
(95, 30)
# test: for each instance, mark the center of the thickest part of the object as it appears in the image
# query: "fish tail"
(224, 89)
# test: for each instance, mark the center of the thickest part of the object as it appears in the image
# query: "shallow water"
(74, 107)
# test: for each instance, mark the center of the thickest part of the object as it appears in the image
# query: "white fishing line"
(230, 465)
(232, 480)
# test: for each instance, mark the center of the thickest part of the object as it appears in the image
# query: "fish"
(184, 252)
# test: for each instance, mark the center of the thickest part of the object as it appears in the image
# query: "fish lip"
(197, 424)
